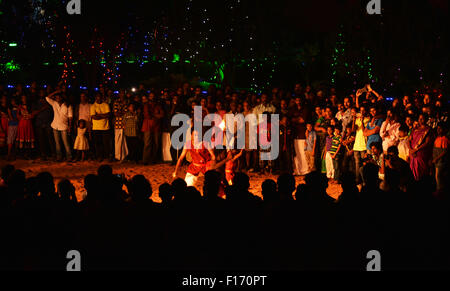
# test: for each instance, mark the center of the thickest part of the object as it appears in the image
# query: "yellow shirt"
(101, 124)
(360, 139)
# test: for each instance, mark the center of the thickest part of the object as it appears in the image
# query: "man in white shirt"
(61, 125)
(389, 131)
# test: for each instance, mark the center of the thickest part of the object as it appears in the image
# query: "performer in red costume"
(203, 159)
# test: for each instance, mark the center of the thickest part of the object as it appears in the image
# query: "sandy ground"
(156, 174)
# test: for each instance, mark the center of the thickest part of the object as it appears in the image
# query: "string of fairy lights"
(146, 48)
(351, 68)
(68, 71)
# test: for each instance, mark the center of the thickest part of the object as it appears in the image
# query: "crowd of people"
(294, 227)
(394, 150)
(318, 129)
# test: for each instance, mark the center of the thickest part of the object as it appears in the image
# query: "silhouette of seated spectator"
(104, 171)
(46, 185)
(16, 186)
(139, 188)
(350, 192)
(269, 191)
(211, 189)
(179, 191)
(286, 186)
(92, 187)
(316, 185)
(371, 180)
(6, 171)
(394, 162)
(66, 191)
(32, 188)
(166, 194)
(238, 194)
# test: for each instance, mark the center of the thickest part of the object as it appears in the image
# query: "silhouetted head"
(32, 186)
(211, 184)
(192, 194)
(66, 191)
(286, 185)
(348, 182)
(241, 181)
(46, 184)
(370, 175)
(317, 182)
(165, 192)
(6, 171)
(139, 188)
(92, 185)
(269, 190)
(179, 186)
(104, 171)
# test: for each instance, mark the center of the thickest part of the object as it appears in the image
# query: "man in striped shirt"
(333, 145)
(120, 107)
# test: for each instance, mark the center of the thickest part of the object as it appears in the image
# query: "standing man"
(62, 122)
(43, 114)
(120, 144)
(151, 127)
(347, 117)
(100, 128)
(264, 107)
(298, 118)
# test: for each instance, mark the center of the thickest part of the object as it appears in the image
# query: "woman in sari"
(421, 149)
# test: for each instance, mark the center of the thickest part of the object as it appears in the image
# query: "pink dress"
(419, 161)
(25, 134)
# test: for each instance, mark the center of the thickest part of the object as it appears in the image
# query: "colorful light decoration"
(145, 55)
(117, 60)
(187, 27)
(11, 66)
(273, 63)
(67, 57)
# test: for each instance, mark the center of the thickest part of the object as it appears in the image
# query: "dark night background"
(406, 47)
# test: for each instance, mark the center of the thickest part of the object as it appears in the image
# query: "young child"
(231, 164)
(403, 145)
(336, 144)
(440, 156)
(311, 141)
(81, 143)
